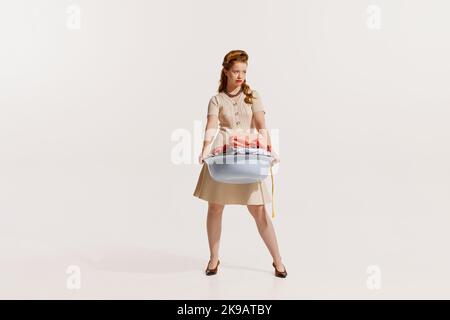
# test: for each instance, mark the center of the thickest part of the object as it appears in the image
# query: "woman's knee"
(215, 207)
(256, 210)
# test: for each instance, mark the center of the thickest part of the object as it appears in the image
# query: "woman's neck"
(233, 90)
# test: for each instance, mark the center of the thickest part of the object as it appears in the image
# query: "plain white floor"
(144, 266)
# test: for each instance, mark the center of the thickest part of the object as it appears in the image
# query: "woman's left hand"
(276, 158)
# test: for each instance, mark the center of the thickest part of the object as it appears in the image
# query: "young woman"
(235, 109)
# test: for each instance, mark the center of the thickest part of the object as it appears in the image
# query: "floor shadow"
(135, 259)
(138, 260)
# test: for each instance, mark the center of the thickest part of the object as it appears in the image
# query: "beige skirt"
(229, 193)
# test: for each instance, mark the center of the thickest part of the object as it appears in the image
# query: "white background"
(87, 175)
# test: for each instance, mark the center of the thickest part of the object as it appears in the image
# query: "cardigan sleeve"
(213, 106)
(257, 104)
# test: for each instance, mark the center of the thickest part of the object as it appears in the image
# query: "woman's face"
(236, 74)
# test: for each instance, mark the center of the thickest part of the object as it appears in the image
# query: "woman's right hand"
(203, 155)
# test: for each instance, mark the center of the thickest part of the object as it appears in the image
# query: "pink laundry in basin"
(243, 144)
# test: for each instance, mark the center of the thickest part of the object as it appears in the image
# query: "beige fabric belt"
(273, 200)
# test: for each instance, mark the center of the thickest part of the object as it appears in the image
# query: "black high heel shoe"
(279, 274)
(210, 272)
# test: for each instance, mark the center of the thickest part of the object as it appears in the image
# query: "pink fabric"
(241, 141)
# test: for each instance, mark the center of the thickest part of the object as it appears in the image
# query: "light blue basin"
(239, 168)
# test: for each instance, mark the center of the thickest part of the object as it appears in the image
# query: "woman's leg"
(214, 227)
(267, 232)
